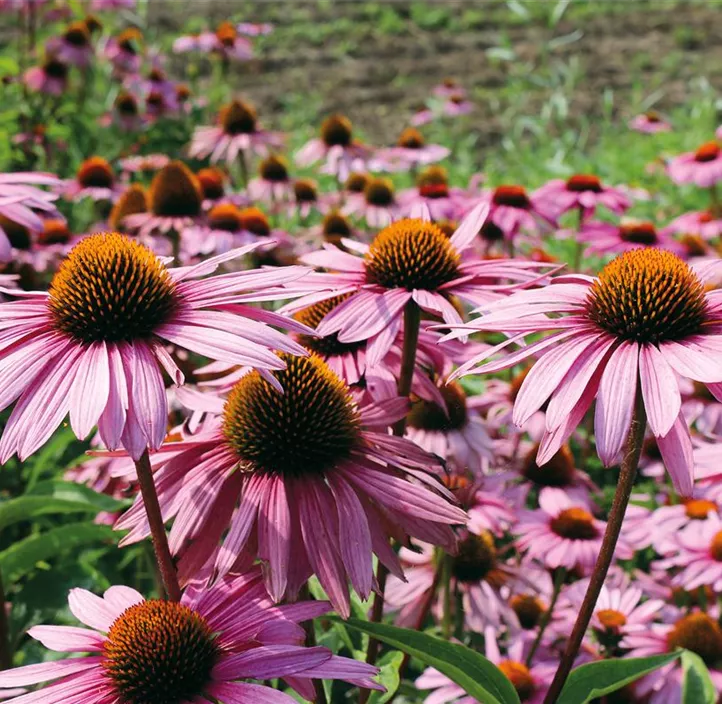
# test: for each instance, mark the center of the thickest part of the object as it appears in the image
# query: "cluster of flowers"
(286, 455)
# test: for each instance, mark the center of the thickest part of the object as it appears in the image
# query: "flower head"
(703, 167)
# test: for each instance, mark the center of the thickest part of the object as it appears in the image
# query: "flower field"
(360, 352)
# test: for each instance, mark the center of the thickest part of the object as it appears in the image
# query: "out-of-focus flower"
(703, 167)
(650, 122)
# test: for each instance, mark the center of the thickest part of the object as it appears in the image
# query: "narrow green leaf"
(697, 686)
(24, 508)
(22, 557)
(389, 677)
(595, 679)
(478, 677)
(70, 491)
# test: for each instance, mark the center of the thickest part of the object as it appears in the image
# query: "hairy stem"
(628, 470)
(157, 528)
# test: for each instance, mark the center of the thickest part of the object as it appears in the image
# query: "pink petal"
(676, 451)
(660, 389)
(46, 671)
(68, 639)
(269, 662)
(274, 537)
(89, 393)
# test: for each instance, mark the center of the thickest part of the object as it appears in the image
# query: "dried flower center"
(93, 23)
(18, 234)
(653, 116)
(699, 633)
(379, 191)
(335, 226)
(238, 118)
(305, 191)
(155, 102)
(557, 472)
(709, 151)
(336, 130)
(55, 69)
(356, 182)
(518, 674)
(225, 217)
(160, 652)
(126, 104)
(528, 609)
(182, 92)
(638, 232)
(212, 182)
(491, 232)
(511, 196)
(110, 288)
(132, 201)
(575, 524)
(694, 245)
(475, 559)
(426, 415)
(157, 75)
(95, 172)
(579, 183)
(226, 34)
(54, 232)
(698, 509)
(411, 138)
(274, 168)
(411, 254)
(306, 430)
(325, 346)
(648, 295)
(433, 182)
(175, 192)
(78, 35)
(611, 619)
(129, 40)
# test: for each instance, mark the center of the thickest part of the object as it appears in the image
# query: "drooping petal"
(660, 389)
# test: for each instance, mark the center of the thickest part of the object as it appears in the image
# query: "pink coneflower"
(377, 204)
(336, 146)
(447, 88)
(411, 150)
(50, 78)
(650, 122)
(432, 190)
(695, 552)
(479, 577)
(584, 192)
(93, 344)
(618, 611)
(237, 132)
(20, 198)
(221, 231)
(306, 198)
(512, 209)
(273, 183)
(563, 533)
(456, 432)
(125, 113)
(226, 42)
(73, 46)
(95, 179)
(605, 238)
(695, 631)
(645, 318)
(205, 646)
(101, 5)
(144, 163)
(213, 181)
(175, 200)
(704, 223)
(321, 484)
(125, 50)
(410, 260)
(530, 681)
(702, 167)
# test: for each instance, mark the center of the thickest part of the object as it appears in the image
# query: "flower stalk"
(163, 557)
(628, 470)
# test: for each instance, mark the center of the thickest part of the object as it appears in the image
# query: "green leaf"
(479, 677)
(23, 556)
(595, 679)
(389, 677)
(697, 686)
(70, 491)
(26, 507)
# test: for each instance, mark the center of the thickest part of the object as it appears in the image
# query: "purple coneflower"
(583, 192)
(650, 122)
(703, 167)
(94, 179)
(50, 78)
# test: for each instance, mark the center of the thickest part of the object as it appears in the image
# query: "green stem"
(446, 585)
(632, 451)
(412, 323)
(561, 573)
(157, 528)
(6, 656)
